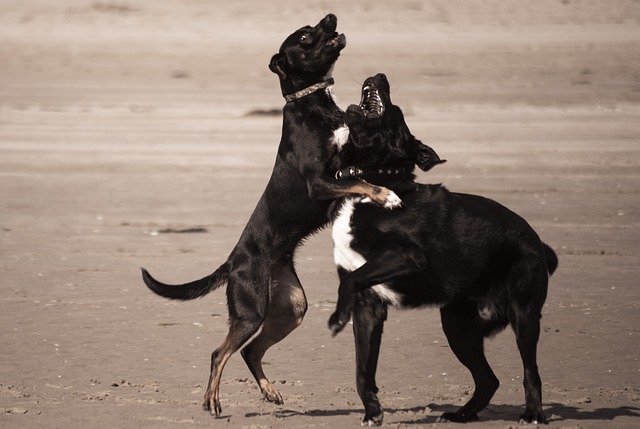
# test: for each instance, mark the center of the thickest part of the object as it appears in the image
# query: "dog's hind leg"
(465, 331)
(287, 307)
(245, 318)
(525, 317)
(369, 315)
(527, 329)
(238, 335)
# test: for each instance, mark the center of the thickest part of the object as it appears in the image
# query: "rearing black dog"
(263, 288)
(482, 264)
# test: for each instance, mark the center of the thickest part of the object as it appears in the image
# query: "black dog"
(482, 264)
(262, 286)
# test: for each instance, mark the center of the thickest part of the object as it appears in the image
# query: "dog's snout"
(329, 23)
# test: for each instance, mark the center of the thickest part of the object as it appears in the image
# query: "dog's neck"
(308, 90)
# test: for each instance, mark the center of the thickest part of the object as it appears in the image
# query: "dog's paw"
(336, 323)
(212, 406)
(272, 395)
(393, 201)
(533, 418)
(372, 421)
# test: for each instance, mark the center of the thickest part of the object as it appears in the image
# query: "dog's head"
(307, 56)
(379, 133)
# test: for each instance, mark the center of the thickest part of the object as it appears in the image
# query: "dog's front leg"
(395, 261)
(342, 314)
(380, 195)
(331, 189)
(369, 315)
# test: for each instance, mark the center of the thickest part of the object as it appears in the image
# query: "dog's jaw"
(339, 41)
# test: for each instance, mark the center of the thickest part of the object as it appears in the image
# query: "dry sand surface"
(123, 121)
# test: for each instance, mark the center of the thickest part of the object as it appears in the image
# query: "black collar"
(352, 171)
(309, 90)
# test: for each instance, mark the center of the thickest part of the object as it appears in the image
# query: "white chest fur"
(341, 136)
(347, 258)
(344, 256)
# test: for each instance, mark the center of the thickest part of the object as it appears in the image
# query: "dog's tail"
(187, 291)
(552, 258)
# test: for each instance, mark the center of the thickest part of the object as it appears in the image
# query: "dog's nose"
(382, 82)
(329, 23)
(382, 77)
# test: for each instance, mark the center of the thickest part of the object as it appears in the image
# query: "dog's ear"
(278, 65)
(425, 157)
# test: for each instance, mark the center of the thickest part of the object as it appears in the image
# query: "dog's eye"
(305, 39)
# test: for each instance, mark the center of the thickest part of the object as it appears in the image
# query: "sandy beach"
(126, 124)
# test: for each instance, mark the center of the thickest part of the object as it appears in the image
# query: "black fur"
(481, 263)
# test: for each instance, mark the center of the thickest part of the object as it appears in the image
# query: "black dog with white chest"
(481, 263)
(263, 289)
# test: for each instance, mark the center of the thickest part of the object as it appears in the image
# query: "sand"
(124, 123)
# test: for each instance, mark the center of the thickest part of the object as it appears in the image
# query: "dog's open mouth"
(337, 41)
(371, 102)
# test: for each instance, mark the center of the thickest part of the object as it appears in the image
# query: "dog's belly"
(347, 258)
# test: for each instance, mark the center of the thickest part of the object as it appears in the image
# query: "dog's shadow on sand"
(555, 412)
